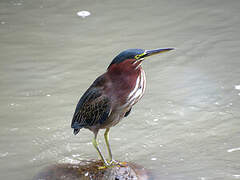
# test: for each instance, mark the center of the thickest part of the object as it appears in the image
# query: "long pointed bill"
(156, 51)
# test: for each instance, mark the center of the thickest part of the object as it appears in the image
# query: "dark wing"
(92, 108)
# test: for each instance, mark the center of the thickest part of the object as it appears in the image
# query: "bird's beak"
(156, 51)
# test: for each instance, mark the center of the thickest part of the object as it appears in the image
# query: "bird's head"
(134, 57)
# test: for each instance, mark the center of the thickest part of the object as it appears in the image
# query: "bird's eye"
(137, 56)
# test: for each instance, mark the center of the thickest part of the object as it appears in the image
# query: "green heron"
(111, 96)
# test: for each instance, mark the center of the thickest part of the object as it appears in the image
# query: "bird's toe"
(117, 163)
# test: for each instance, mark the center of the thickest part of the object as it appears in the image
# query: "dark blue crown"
(127, 54)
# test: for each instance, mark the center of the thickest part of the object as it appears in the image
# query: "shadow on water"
(89, 170)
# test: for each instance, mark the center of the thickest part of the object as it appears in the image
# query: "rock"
(89, 170)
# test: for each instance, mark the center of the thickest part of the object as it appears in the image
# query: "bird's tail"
(75, 131)
(76, 127)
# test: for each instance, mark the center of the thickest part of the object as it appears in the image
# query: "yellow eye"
(139, 56)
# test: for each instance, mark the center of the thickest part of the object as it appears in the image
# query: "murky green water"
(186, 127)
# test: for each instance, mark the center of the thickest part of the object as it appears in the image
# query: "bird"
(112, 95)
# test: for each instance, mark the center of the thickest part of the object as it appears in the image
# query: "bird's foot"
(112, 163)
(117, 163)
(102, 167)
(105, 165)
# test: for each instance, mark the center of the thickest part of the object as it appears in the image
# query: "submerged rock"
(89, 170)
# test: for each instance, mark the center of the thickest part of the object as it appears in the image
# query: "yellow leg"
(106, 136)
(95, 144)
(112, 161)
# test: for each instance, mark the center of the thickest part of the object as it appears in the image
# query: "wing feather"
(92, 108)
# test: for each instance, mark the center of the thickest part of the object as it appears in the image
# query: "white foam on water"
(83, 14)
(233, 149)
(237, 87)
(4, 154)
(237, 176)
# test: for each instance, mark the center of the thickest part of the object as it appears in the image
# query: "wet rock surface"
(91, 170)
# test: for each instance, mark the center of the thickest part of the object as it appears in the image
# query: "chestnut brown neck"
(124, 75)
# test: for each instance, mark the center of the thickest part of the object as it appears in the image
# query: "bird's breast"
(124, 93)
(125, 87)
(137, 92)
(129, 91)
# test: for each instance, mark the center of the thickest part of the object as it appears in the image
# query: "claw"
(119, 164)
(111, 164)
(123, 164)
(106, 165)
(102, 167)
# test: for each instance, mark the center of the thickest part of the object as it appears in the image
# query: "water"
(186, 127)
